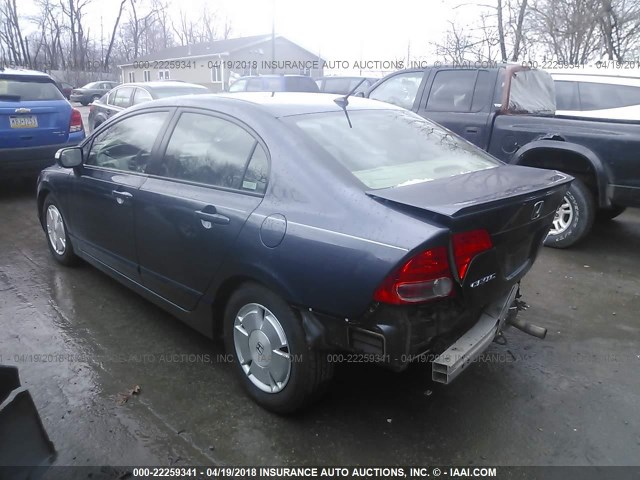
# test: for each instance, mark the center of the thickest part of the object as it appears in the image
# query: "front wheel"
(574, 218)
(57, 234)
(276, 366)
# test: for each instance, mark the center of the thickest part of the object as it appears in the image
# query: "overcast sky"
(336, 29)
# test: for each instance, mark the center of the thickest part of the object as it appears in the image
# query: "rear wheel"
(56, 231)
(606, 214)
(273, 361)
(574, 218)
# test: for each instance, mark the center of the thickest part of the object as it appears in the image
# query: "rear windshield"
(163, 92)
(388, 148)
(25, 90)
(92, 85)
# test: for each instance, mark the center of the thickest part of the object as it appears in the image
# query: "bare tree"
(567, 29)
(13, 45)
(107, 56)
(619, 22)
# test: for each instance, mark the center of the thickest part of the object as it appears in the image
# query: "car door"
(460, 100)
(211, 175)
(403, 89)
(105, 189)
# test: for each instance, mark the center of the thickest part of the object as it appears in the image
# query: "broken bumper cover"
(455, 359)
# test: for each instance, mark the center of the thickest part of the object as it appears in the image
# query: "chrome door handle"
(208, 219)
(121, 196)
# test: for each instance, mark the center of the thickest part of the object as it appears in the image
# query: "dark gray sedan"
(91, 92)
(128, 94)
(305, 229)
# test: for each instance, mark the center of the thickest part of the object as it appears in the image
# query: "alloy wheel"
(55, 230)
(563, 217)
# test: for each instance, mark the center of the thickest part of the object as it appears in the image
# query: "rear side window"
(127, 144)
(399, 90)
(483, 93)
(216, 152)
(123, 97)
(567, 96)
(388, 148)
(28, 90)
(254, 85)
(238, 86)
(141, 96)
(452, 91)
(598, 96)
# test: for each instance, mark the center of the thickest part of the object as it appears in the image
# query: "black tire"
(608, 214)
(310, 371)
(84, 104)
(94, 98)
(582, 205)
(68, 256)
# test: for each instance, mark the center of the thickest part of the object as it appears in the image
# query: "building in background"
(216, 65)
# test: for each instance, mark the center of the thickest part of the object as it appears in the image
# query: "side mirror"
(70, 157)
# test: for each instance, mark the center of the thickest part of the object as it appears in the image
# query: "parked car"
(509, 112)
(65, 88)
(343, 85)
(396, 239)
(129, 94)
(597, 93)
(91, 92)
(35, 121)
(274, 83)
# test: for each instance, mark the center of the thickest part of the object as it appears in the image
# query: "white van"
(598, 93)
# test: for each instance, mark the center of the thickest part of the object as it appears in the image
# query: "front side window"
(452, 91)
(127, 144)
(388, 148)
(400, 90)
(216, 152)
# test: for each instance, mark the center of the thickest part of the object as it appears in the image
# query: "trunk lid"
(514, 204)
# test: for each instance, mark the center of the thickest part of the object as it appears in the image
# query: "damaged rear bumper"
(452, 362)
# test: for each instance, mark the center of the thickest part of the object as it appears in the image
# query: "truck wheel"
(574, 218)
(276, 366)
(606, 214)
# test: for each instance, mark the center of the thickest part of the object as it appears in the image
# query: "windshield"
(388, 148)
(28, 90)
(164, 92)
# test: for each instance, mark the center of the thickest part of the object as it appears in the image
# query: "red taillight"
(75, 125)
(467, 245)
(424, 277)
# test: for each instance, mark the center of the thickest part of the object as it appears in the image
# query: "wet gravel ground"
(80, 340)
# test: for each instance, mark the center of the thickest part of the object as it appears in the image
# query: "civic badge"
(537, 210)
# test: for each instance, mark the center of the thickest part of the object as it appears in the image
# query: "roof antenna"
(343, 102)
